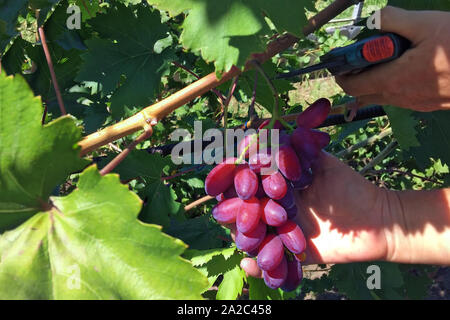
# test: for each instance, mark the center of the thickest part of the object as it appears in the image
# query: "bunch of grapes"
(261, 208)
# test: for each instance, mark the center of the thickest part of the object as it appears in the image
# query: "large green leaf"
(89, 245)
(228, 31)
(126, 60)
(34, 159)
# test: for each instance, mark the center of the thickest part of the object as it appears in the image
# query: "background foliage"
(56, 211)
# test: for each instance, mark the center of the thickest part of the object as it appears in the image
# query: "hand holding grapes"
(340, 214)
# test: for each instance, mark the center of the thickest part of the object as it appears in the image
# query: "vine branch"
(52, 70)
(164, 107)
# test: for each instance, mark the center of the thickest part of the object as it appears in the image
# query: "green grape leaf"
(139, 164)
(9, 12)
(403, 126)
(34, 159)
(231, 286)
(421, 4)
(434, 138)
(199, 233)
(89, 245)
(46, 8)
(257, 290)
(124, 60)
(66, 65)
(351, 280)
(89, 9)
(161, 204)
(200, 257)
(227, 32)
(264, 95)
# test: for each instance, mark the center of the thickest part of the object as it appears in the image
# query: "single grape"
(247, 144)
(274, 185)
(260, 160)
(304, 182)
(276, 277)
(288, 201)
(292, 237)
(322, 139)
(271, 252)
(294, 276)
(220, 178)
(304, 144)
(273, 214)
(248, 215)
(288, 163)
(230, 192)
(225, 212)
(245, 182)
(250, 241)
(315, 114)
(292, 212)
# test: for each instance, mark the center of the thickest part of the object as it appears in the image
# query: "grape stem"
(120, 157)
(380, 157)
(51, 69)
(197, 203)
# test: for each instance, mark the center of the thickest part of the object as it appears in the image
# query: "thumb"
(409, 24)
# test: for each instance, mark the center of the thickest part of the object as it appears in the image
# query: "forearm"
(417, 226)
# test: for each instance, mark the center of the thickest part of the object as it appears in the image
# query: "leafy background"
(128, 232)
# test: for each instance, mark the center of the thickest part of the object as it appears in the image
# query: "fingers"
(404, 22)
(250, 266)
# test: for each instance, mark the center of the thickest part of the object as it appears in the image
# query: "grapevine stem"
(162, 108)
(119, 158)
(404, 173)
(367, 142)
(383, 154)
(52, 70)
(198, 202)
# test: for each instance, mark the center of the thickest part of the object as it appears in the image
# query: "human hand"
(420, 78)
(340, 215)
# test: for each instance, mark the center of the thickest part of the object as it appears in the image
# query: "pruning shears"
(358, 56)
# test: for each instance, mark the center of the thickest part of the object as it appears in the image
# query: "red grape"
(276, 277)
(220, 197)
(322, 139)
(260, 160)
(271, 252)
(225, 211)
(292, 212)
(292, 237)
(246, 182)
(304, 182)
(273, 214)
(248, 215)
(250, 241)
(294, 276)
(274, 185)
(315, 114)
(220, 178)
(288, 163)
(247, 144)
(288, 201)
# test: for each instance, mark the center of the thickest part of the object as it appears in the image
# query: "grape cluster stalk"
(259, 205)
